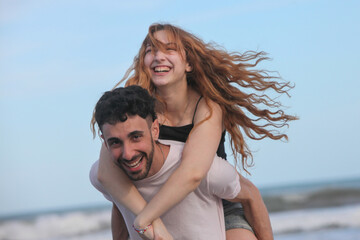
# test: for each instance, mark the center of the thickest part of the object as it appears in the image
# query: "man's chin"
(136, 176)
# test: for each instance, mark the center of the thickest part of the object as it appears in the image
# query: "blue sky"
(58, 57)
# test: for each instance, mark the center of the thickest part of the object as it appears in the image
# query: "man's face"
(131, 145)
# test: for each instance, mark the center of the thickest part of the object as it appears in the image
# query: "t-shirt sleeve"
(95, 182)
(223, 179)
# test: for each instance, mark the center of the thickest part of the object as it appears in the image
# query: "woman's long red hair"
(228, 79)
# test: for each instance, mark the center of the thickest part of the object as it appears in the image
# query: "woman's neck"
(180, 104)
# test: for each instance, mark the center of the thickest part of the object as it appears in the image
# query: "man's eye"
(136, 137)
(114, 143)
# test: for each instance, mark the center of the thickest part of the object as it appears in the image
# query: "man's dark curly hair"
(115, 105)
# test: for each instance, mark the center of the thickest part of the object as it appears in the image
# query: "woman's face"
(166, 68)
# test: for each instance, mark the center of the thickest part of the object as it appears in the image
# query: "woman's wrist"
(142, 230)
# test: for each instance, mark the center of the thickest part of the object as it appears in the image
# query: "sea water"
(322, 211)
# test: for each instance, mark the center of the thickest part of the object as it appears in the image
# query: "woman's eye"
(171, 47)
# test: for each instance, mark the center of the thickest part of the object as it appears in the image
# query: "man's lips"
(134, 165)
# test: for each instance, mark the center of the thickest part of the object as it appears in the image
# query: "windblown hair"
(116, 105)
(227, 78)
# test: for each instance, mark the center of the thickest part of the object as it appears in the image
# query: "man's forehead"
(132, 123)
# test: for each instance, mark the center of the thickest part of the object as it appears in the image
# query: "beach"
(316, 211)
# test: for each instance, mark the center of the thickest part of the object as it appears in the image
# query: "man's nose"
(128, 152)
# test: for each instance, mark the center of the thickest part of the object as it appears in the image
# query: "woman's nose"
(159, 55)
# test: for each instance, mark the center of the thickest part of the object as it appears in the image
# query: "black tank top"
(181, 134)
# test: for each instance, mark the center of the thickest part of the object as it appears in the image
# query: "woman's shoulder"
(206, 108)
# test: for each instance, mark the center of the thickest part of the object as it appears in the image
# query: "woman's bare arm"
(121, 189)
(117, 184)
(197, 157)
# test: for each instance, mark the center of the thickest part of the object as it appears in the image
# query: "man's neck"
(161, 152)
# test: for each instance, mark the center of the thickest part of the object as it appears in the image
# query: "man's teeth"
(134, 164)
(161, 69)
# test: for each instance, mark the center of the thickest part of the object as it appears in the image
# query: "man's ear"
(155, 130)
(105, 143)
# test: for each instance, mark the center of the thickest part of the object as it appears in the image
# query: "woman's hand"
(148, 234)
(160, 231)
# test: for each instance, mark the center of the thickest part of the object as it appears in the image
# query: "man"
(130, 130)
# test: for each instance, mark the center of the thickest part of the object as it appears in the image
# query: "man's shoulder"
(176, 147)
(171, 142)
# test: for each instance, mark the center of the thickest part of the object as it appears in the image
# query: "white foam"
(54, 226)
(96, 225)
(315, 219)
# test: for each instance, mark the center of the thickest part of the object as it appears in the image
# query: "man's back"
(200, 215)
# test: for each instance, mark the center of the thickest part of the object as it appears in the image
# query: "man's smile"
(133, 165)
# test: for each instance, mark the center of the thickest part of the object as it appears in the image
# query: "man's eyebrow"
(113, 139)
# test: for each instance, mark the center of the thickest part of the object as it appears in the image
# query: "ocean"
(316, 211)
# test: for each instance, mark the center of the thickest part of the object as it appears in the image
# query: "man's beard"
(147, 159)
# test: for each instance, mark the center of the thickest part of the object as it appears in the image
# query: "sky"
(58, 57)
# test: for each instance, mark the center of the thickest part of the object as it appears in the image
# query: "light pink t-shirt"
(200, 215)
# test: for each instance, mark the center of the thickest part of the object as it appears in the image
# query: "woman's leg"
(240, 234)
(257, 217)
(237, 227)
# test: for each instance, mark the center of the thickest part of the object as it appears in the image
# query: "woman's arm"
(117, 184)
(197, 157)
(121, 189)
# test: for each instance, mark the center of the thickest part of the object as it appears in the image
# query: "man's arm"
(118, 226)
(225, 183)
(254, 209)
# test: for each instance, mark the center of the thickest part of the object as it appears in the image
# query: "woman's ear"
(188, 68)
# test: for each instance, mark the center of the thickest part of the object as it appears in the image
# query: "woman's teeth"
(161, 69)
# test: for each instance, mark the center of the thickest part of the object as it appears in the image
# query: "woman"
(198, 87)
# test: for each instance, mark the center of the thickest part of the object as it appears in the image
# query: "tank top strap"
(196, 109)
